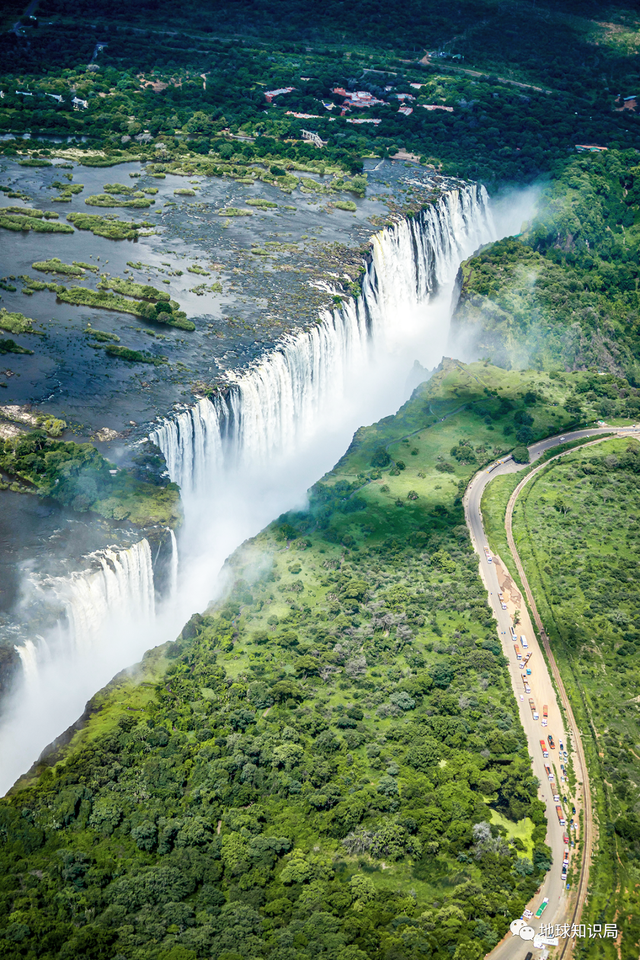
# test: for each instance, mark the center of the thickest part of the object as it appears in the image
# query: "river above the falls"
(256, 276)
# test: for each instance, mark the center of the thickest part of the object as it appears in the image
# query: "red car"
(565, 839)
(551, 742)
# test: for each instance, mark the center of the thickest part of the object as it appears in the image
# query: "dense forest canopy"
(328, 763)
(515, 109)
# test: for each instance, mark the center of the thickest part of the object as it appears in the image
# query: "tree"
(380, 458)
(521, 454)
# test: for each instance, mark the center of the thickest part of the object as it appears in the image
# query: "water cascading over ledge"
(118, 586)
(244, 457)
(278, 401)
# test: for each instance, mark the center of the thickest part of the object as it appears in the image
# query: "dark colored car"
(551, 742)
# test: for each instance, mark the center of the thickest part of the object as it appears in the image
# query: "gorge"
(249, 453)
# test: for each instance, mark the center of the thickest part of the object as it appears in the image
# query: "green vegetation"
(494, 507)
(139, 291)
(10, 346)
(518, 99)
(327, 762)
(184, 192)
(329, 756)
(67, 191)
(101, 161)
(15, 322)
(110, 226)
(234, 212)
(25, 218)
(348, 205)
(577, 529)
(55, 265)
(134, 356)
(77, 476)
(101, 336)
(260, 202)
(520, 454)
(52, 426)
(119, 188)
(107, 200)
(565, 293)
(86, 266)
(194, 268)
(163, 311)
(35, 162)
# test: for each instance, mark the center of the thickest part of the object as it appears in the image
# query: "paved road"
(28, 13)
(497, 580)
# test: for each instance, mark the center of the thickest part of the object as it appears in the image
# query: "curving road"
(497, 580)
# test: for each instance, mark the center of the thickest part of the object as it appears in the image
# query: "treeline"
(495, 131)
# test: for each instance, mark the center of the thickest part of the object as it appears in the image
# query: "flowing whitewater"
(102, 612)
(249, 454)
(282, 400)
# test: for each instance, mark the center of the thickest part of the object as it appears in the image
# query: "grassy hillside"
(577, 530)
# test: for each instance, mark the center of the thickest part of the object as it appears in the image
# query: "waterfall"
(173, 568)
(121, 589)
(28, 654)
(275, 406)
(106, 620)
(245, 456)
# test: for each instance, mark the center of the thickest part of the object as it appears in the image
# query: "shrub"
(521, 454)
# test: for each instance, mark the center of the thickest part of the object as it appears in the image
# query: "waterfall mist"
(250, 454)
(104, 610)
